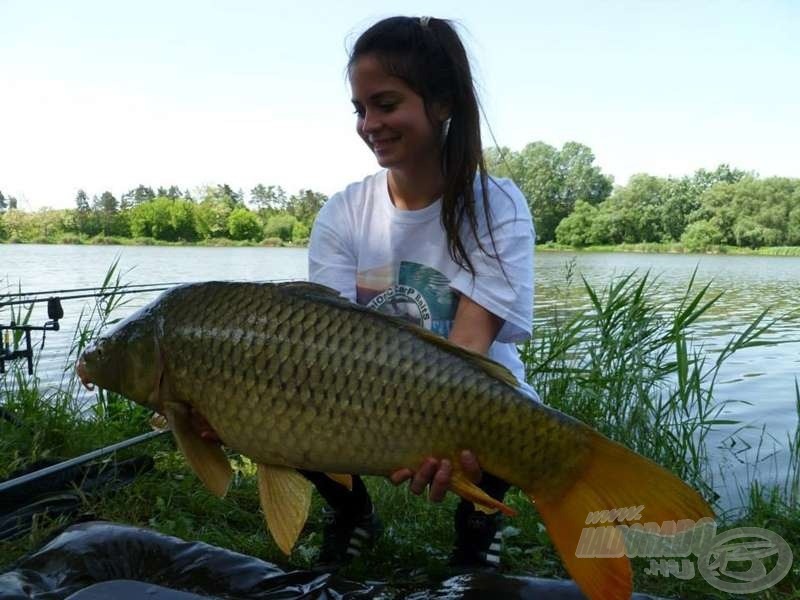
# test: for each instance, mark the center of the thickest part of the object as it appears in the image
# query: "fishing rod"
(54, 313)
(28, 478)
(32, 297)
(91, 289)
(112, 292)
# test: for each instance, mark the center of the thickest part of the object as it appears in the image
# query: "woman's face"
(391, 117)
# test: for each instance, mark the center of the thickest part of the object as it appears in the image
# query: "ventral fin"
(206, 459)
(285, 499)
(343, 478)
(472, 493)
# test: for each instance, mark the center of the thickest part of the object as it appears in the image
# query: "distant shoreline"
(644, 248)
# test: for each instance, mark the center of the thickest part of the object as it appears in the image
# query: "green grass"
(629, 366)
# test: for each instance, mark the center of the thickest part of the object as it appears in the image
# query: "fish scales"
(293, 376)
(389, 400)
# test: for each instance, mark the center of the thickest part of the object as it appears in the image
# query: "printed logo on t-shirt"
(415, 292)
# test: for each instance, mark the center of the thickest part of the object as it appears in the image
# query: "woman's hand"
(203, 428)
(437, 474)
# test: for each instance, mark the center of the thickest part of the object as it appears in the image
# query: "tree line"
(573, 203)
(173, 215)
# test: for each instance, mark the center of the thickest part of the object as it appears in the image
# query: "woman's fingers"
(401, 475)
(437, 475)
(424, 476)
(470, 466)
(441, 482)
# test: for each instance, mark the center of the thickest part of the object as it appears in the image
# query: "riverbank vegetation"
(629, 366)
(574, 204)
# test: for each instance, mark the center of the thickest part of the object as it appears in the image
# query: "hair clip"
(424, 21)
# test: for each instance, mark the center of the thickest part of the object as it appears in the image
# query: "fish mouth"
(83, 375)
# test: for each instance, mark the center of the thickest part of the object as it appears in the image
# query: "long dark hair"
(428, 55)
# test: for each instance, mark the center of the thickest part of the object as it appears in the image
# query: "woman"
(430, 237)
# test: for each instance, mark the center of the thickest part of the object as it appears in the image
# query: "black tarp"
(97, 560)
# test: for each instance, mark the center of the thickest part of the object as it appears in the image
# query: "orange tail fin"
(615, 478)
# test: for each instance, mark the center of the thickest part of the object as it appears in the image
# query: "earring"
(445, 129)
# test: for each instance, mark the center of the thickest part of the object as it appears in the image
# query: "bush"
(300, 233)
(272, 241)
(144, 241)
(700, 236)
(244, 225)
(106, 240)
(280, 226)
(69, 238)
(575, 229)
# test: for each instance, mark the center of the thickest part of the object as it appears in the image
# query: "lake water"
(761, 376)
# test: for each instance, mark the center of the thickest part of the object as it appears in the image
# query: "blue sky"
(106, 95)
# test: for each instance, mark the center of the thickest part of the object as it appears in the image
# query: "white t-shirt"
(397, 261)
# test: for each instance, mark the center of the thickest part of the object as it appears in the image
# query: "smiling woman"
(430, 238)
(393, 121)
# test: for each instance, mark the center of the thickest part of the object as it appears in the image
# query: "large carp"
(294, 376)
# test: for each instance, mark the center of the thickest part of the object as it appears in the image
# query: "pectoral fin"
(471, 492)
(343, 478)
(285, 499)
(206, 459)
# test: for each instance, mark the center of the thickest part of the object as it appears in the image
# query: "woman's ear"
(441, 111)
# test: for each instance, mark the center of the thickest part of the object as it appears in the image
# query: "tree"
(641, 206)
(82, 201)
(20, 225)
(280, 226)
(50, 222)
(498, 162)
(300, 233)
(245, 225)
(700, 236)
(221, 193)
(137, 196)
(173, 192)
(576, 229)
(751, 212)
(305, 205)
(85, 221)
(7, 203)
(165, 219)
(106, 208)
(552, 180)
(108, 203)
(269, 198)
(212, 215)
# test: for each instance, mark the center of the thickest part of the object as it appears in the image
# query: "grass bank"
(101, 240)
(674, 248)
(644, 248)
(628, 367)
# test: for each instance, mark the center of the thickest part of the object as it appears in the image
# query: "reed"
(626, 364)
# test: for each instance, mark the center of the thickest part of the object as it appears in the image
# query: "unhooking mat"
(98, 561)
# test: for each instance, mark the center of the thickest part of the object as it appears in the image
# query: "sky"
(106, 95)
